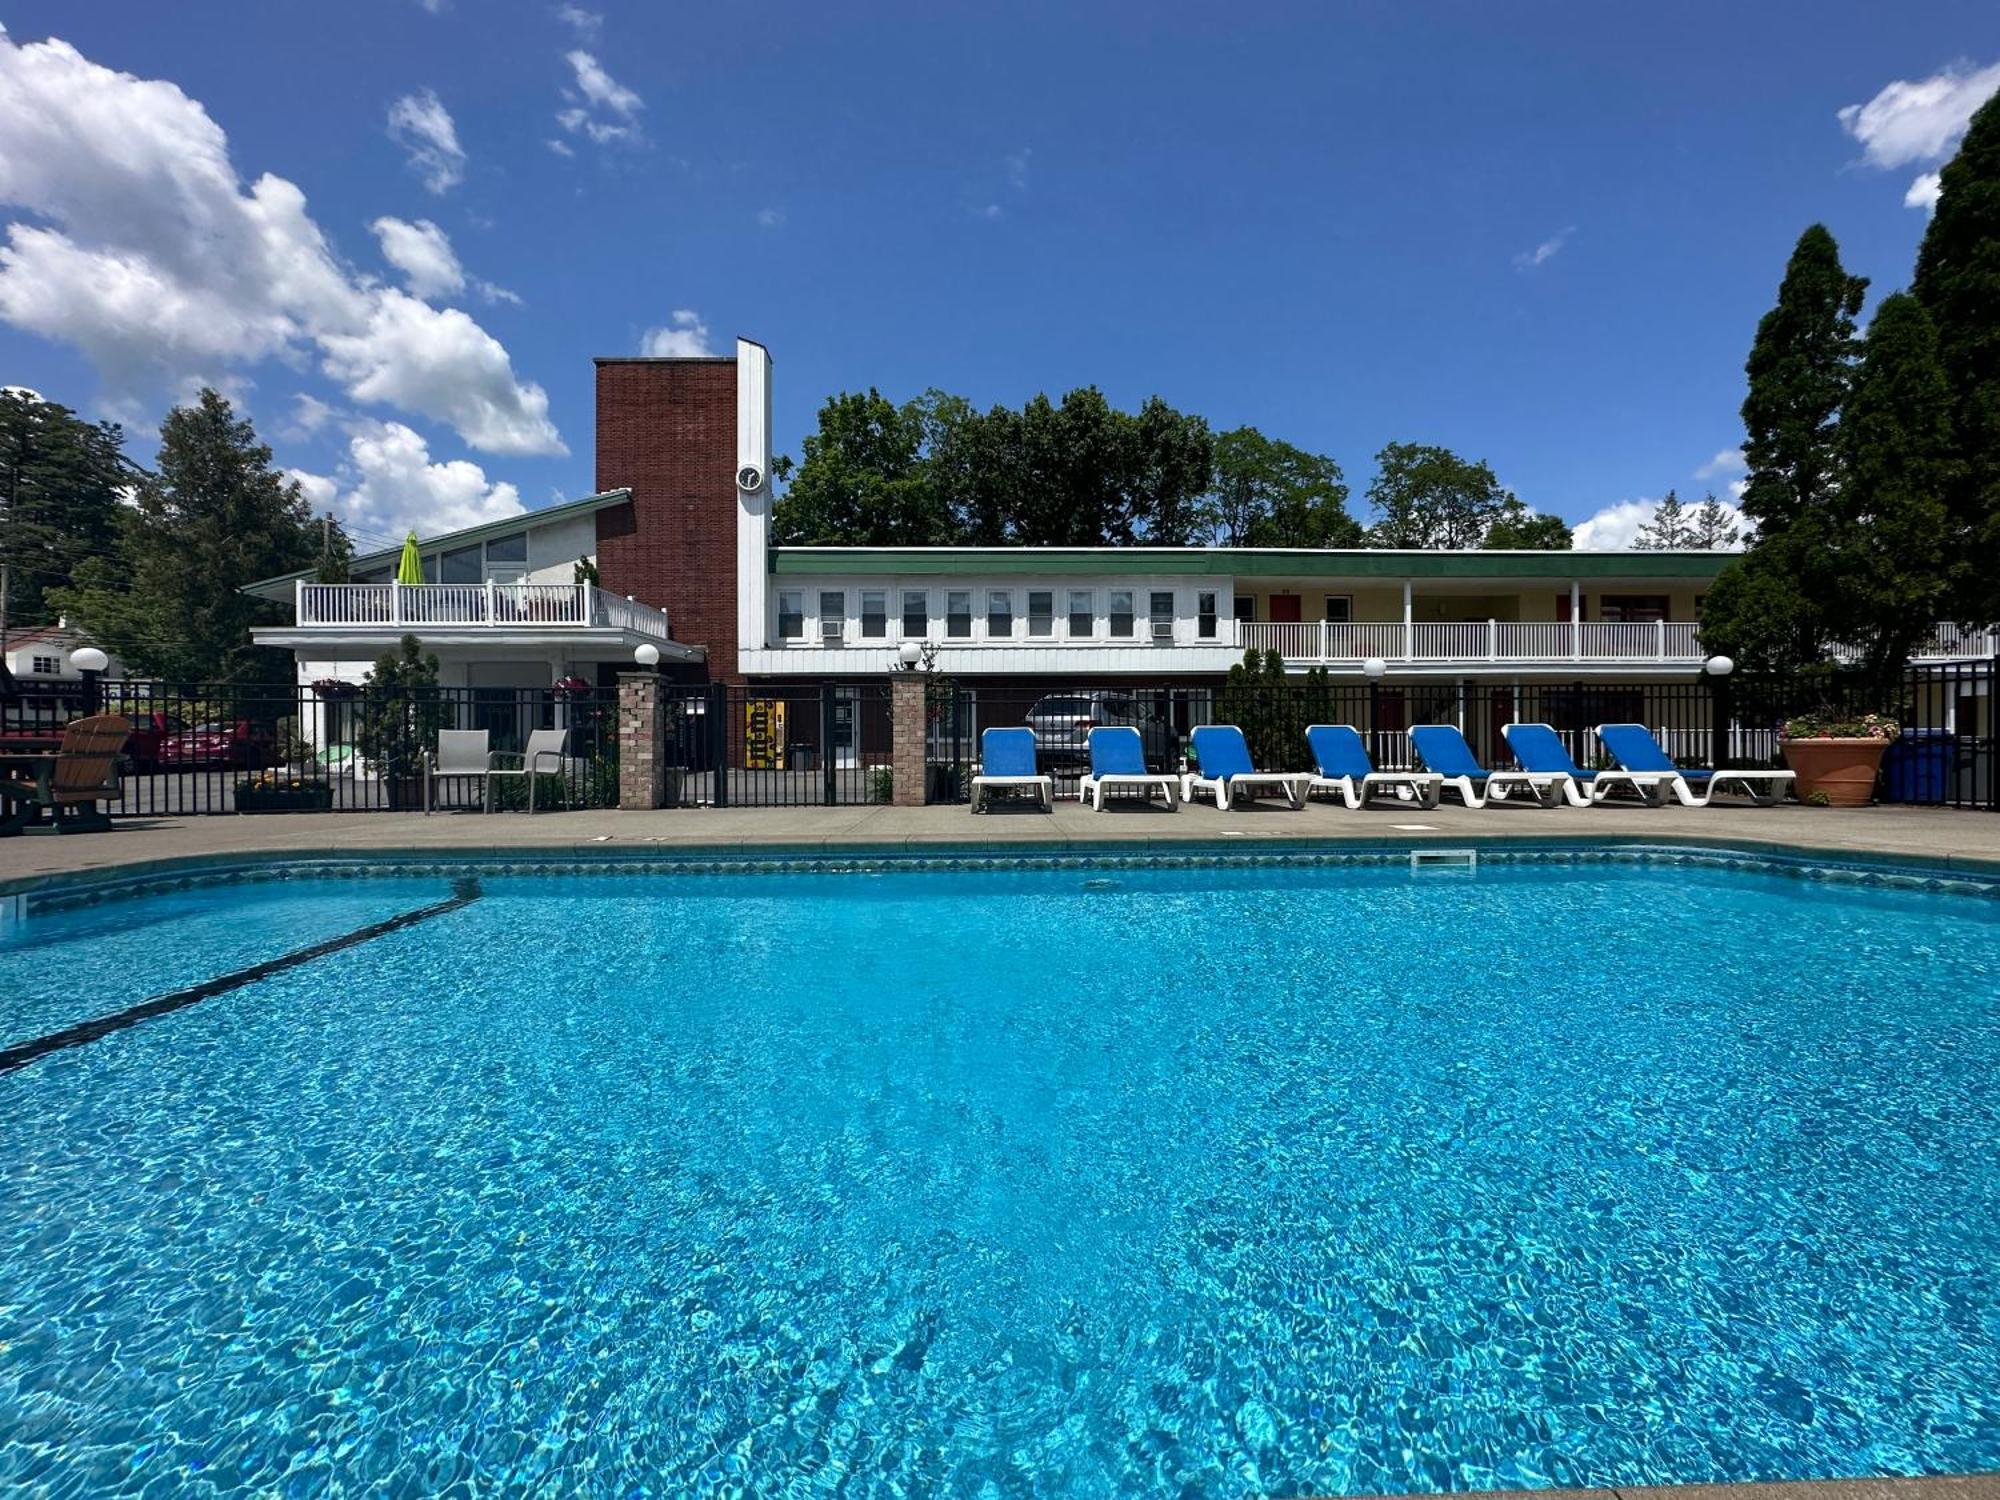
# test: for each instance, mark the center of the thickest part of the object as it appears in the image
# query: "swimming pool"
(1084, 1179)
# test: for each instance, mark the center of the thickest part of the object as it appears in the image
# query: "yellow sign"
(764, 734)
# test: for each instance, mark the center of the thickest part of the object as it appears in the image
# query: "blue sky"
(1541, 235)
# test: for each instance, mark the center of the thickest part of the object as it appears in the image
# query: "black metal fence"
(217, 748)
(791, 746)
(1945, 757)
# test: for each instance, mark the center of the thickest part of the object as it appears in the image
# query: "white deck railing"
(1475, 640)
(497, 606)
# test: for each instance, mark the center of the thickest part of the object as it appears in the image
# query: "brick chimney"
(667, 431)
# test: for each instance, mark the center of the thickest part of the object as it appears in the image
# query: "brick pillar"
(907, 720)
(642, 761)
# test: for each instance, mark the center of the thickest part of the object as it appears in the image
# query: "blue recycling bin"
(1918, 766)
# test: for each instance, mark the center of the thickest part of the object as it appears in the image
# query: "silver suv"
(1062, 723)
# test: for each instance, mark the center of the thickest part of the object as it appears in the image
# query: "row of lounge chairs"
(1545, 771)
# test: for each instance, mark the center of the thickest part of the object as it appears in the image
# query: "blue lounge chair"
(1226, 770)
(1118, 759)
(1342, 765)
(1443, 749)
(1007, 760)
(1650, 771)
(1539, 748)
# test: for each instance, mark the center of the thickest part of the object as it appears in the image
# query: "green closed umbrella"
(411, 569)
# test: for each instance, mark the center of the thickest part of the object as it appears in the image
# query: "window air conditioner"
(1163, 632)
(832, 632)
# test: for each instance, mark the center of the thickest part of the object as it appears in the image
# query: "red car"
(217, 743)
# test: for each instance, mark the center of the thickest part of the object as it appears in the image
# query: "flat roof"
(1254, 562)
(281, 586)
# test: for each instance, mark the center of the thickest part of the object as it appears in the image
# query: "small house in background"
(44, 654)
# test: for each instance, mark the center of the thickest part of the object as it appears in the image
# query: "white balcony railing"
(398, 606)
(1339, 642)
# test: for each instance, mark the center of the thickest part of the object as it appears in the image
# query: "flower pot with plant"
(399, 720)
(1836, 757)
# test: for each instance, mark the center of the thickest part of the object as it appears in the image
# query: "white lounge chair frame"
(1424, 787)
(1654, 787)
(1290, 783)
(545, 753)
(1549, 788)
(1044, 788)
(1092, 788)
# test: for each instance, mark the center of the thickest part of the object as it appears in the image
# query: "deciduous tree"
(1428, 497)
(1269, 493)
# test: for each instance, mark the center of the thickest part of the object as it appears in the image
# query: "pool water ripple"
(1215, 1182)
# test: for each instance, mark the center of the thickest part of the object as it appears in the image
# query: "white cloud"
(1615, 528)
(770, 218)
(990, 212)
(585, 23)
(1728, 461)
(1909, 122)
(1017, 168)
(422, 126)
(685, 334)
(388, 486)
(320, 490)
(1546, 251)
(423, 253)
(308, 415)
(600, 107)
(146, 252)
(1923, 192)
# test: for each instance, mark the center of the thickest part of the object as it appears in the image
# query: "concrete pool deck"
(1938, 837)
(1938, 1487)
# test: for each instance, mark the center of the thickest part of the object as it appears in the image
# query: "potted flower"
(568, 689)
(334, 689)
(276, 791)
(1836, 756)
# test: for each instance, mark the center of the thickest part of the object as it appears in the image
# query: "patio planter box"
(251, 799)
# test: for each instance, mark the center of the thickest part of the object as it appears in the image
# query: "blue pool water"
(1191, 1182)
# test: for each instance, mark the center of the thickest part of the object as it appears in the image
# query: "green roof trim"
(281, 586)
(1252, 562)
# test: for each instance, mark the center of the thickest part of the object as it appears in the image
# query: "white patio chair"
(460, 752)
(544, 754)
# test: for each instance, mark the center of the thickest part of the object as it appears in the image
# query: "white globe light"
(909, 653)
(647, 655)
(1373, 668)
(89, 659)
(1718, 666)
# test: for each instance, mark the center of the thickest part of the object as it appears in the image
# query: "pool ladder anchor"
(1444, 861)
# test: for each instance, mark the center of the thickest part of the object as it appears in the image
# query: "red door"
(1285, 609)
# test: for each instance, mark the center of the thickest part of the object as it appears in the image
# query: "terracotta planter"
(1844, 769)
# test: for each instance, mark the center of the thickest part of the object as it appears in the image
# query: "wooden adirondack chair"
(69, 784)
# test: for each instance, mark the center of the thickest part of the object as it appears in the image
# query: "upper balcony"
(1478, 642)
(495, 606)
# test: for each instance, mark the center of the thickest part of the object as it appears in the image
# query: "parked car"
(150, 733)
(241, 746)
(1062, 723)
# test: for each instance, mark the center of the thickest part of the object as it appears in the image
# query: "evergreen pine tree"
(1958, 282)
(60, 479)
(215, 517)
(1713, 528)
(1669, 529)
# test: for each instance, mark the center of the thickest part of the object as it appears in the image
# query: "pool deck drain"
(464, 892)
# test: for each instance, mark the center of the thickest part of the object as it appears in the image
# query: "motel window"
(461, 566)
(999, 615)
(1161, 608)
(874, 613)
(507, 558)
(958, 613)
(1041, 612)
(1082, 615)
(1640, 609)
(1204, 614)
(1120, 610)
(1339, 608)
(46, 666)
(1246, 607)
(833, 607)
(791, 615)
(916, 613)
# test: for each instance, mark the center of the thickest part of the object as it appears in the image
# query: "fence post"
(907, 740)
(1720, 706)
(642, 761)
(718, 743)
(1492, 640)
(829, 784)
